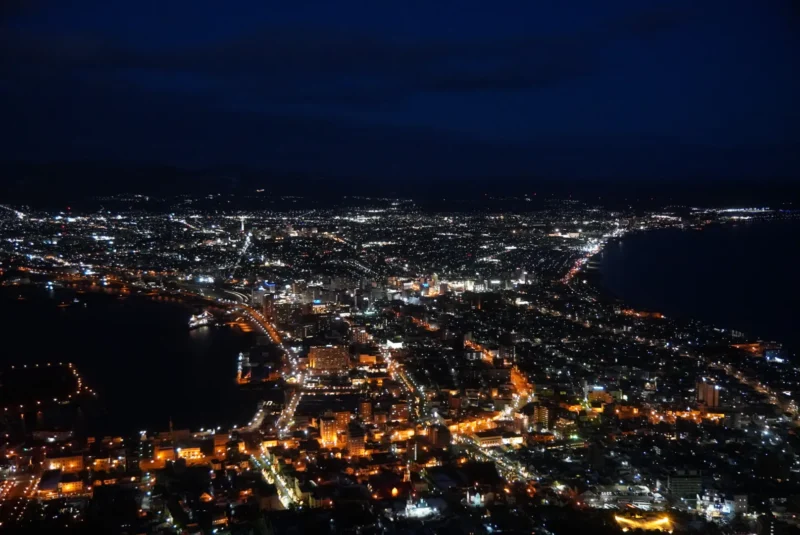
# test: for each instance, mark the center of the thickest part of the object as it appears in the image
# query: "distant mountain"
(57, 183)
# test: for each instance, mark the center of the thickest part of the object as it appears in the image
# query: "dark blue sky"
(563, 89)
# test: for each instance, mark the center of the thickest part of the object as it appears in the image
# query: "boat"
(201, 320)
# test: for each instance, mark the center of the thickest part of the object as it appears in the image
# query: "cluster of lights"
(272, 475)
(663, 523)
(286, 417)
(19, 508)
(511, 469)
(38, 404)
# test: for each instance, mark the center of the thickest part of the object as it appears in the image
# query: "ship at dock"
(202, 320)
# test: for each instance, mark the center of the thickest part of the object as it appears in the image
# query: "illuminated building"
(607, 496)
(269, 307)
(565, 427)
(365, 410)
(165, 453)
(380, 417)
(70, 484)
(541, 438)
(67, 464)
(685, 483)
(541, 415)
(342, 421)
(759, 348)
(403, 433)
(420, 509)
(571, 406)
(708, 393)
(713, 505)
(489, 439)
(399, 412)
(190, 453)
(600, 395)
(107, 463)
(476, 499)
(356, 438)
(220, 445)
(328, 359)
(361, 335)
(625, 412)
(369, 360)
(534, 414)
(646, 523)
(740, 503)
(327, 431)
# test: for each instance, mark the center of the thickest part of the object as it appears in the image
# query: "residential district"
(416, 372)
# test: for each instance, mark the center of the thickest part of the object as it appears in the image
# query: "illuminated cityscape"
(399, 268)
(410, 369)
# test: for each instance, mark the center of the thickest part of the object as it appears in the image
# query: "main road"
(286, 416)
(15, 495)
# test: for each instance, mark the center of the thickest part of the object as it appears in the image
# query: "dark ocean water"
(742, 276)
(137, 354)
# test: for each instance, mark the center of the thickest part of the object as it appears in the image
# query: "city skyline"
(376, 366)
(399, 268)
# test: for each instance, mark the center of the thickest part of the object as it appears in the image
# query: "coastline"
(685, 301)
(138, 349)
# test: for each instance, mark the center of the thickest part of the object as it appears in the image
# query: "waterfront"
(384, 373)
(736, 276)
(137, 354)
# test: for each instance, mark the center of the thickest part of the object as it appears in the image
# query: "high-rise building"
(541, 415)
(356, 440)
(268, 307)
(439, 436)
(360, 335)
(708, 393)
(399, 411)
(685, 483)
(342, 421)
(328, 359)
(220, 445)
(380, 417)
(740, 504)
(327, 431)
(365, 410)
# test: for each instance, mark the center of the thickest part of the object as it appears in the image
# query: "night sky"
(579, 90)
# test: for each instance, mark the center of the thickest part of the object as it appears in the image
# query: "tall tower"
(707, 393)
(327, 430)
